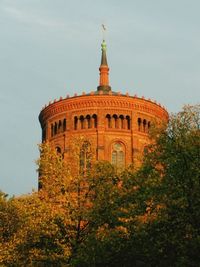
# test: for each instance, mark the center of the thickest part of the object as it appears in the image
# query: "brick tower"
(115, 124)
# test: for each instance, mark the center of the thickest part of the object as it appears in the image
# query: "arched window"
(95, 120)
(118, 155)
(52, 130)
(58, 150)
(108, 118)
(64, 125)
(55, 128)
(85, 157)
(82, 122)
(128, 120)
(139, 124)
(149, 125)
(59, 126)
(121, 122)
(144, 125)
(75, 123)
(115, 120)
(88, 118)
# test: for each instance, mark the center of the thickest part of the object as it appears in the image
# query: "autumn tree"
(178, 152)
(76, 190)
(84, 194)
(39, 239)
(44, 226)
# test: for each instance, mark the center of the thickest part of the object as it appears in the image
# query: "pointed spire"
(104, 71)
(103, 56)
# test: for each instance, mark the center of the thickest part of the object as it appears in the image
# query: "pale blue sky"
(51, 48)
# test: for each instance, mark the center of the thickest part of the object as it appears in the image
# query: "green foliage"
(157, 208)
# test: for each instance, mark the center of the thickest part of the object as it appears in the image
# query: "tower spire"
(104, 69)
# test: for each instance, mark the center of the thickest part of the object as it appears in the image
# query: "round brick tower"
(115, 124)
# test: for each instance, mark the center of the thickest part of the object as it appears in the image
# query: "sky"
(51, 48)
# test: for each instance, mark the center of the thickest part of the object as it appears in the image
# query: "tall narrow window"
(121, 121)
(82, 122)
(85, 157)
(75, 123)
(59, 126)
(128, 120)
(149, 125)
(55, 128)
(52, 130)
(108, 118)
(95, 120)
(118, 156)
(115, 120)
(121, 159)
(88, 118)
(139, 124)
(144, 125)
(64, 125)
(114, 157)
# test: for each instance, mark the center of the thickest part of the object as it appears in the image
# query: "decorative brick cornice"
(101, 102)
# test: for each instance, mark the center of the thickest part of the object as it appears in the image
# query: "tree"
(168, 196)
(39, 239)
(178, 151)
(10, 220)
(102, 217)
(79, 192)
(84, 194)
(157, 207)
(44, 235)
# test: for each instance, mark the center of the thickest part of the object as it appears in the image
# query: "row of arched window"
(90, 121)
(118, 121)
(143, 125)
(85, 122)
(58, 127)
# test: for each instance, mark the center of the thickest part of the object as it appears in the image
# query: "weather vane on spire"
(103, 31)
